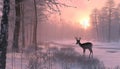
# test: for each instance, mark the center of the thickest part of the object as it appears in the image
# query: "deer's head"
(77, 40)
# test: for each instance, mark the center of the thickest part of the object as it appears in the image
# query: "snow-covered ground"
(67, 55)
(108, 53)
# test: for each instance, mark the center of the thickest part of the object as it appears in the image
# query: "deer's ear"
(76, 38)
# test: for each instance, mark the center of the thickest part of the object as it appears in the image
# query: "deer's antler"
(76, 38)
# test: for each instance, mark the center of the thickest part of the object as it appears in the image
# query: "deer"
(87, 45)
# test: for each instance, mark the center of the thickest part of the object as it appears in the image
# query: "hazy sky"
(84, 8)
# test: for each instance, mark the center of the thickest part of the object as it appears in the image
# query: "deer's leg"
(84, 51)
(91, 52)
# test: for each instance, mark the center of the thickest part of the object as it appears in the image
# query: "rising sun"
(85, 23)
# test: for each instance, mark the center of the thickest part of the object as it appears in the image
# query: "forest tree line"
(106, 22)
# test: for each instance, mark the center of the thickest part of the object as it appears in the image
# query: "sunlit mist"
(85, 23)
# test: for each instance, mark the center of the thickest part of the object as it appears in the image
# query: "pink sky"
(83, 10)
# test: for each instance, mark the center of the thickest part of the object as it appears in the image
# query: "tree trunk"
(96, 25)
(4, 34)
(17, 26)
(109, 27)
(35, 27)
(23, 27)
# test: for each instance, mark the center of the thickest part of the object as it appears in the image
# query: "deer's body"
(87, 45)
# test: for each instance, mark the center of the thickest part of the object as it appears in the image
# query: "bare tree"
(17, 26)
(103, 23)
(109, 7)
(118, 9)
(23, 24)
(94, 16)
(35, 26)
(4, 34)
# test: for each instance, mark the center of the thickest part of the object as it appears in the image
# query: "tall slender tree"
(110, 7)
(95, 22)
(103, 22)
(23, 25)
(118, 9)
(17, 26)
(35, 26)
(4, 34)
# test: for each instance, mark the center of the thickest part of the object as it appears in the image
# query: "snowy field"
(108, 53)
(67, 55)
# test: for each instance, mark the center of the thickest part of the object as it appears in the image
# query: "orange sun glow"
(85, 23)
